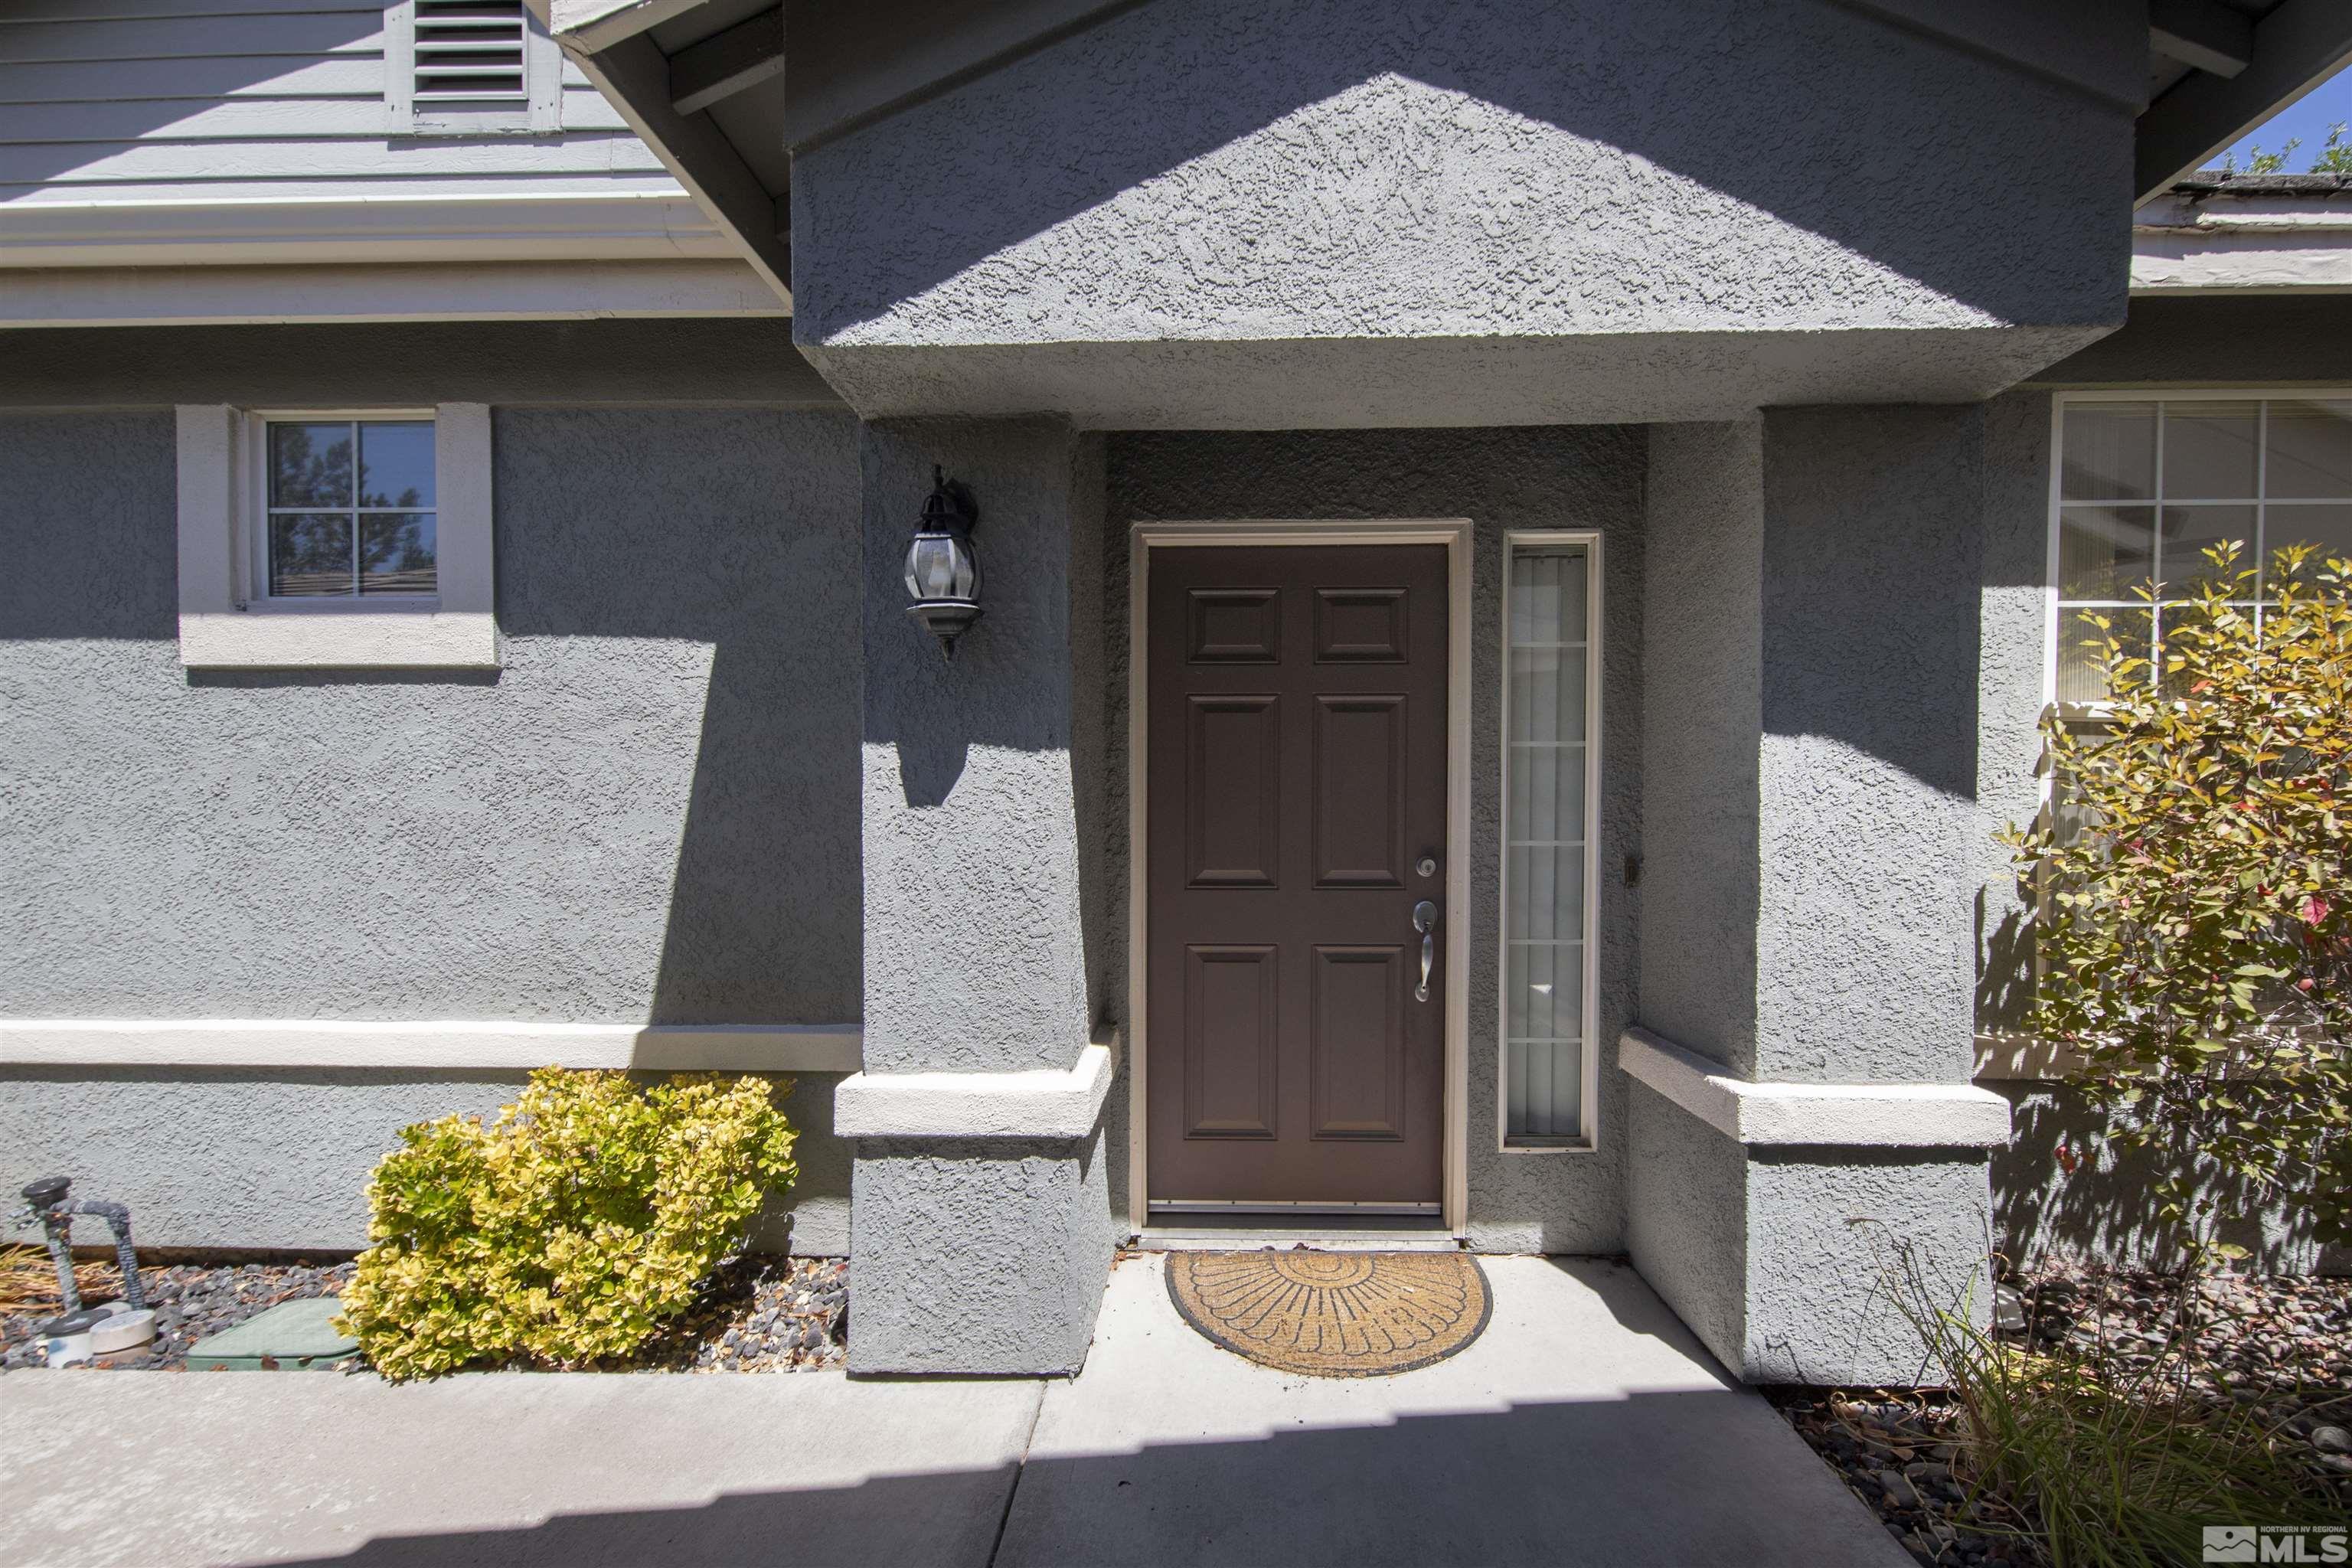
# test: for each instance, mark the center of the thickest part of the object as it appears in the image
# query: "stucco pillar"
(1803, 1134)
(979, 1229)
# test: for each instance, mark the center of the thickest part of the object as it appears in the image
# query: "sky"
(2324, 106)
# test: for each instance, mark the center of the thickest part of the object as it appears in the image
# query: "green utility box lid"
(292, 1336)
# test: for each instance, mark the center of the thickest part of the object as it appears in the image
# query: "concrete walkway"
(1585, 1427)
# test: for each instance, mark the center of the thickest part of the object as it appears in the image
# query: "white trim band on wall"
(461, 1046)
(1045, 1105)
(1904, 1115)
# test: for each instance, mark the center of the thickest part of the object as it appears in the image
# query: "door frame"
(1455, 533)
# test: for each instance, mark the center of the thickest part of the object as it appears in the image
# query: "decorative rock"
(2331, 1440)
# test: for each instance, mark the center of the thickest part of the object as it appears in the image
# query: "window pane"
(2311, 450)
(1547, 891)
(396, 552)
(1547, 596)
(2105, 551)
(2190, 531)
(1546, 793)
(1548, 694)
(396, 465)
(2110, 451)
(1544, 991)
(310, 465)
(1545, 1080)
(310, 554)
(2081, 651)
(2328, 527)
(2209, 450)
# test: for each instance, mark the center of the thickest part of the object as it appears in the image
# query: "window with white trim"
(336, 537)
(1551, 701)
(460, 68)
(2144, 484)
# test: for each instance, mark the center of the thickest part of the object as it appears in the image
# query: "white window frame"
(539, 111)
(1587, 1138)
(227, 618)
(2054, 610)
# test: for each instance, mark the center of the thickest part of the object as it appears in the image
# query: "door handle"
(1424, 921)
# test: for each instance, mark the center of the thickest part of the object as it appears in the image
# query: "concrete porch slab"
(1586, 1426)
(124, 1468)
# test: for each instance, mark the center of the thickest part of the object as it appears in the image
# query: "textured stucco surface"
(978, 1258)
(748, 360)
(1836, 1237)
(974, 957)
(1789, 1263)
(2013, 659)
(1559, 478)
(1686, 1217)
(1866, 777)
(213, 1159)
(1702, 705)
(650, 814)
(1482, 177)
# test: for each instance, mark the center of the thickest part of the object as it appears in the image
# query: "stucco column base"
(979, 1257)
(1796, 1236)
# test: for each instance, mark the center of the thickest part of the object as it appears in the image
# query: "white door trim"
(1455, 533)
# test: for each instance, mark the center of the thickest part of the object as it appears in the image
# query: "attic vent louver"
(469, 51)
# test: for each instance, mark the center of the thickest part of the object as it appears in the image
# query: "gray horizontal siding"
(153, 100)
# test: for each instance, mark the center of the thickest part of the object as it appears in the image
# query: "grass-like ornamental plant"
(2196, 935)
(567, 1230)
(2103, 1469)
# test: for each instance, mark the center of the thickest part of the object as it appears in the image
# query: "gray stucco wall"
(1520, 217)
(1702, 703)
(1554, 478)
(1867, 778)
(649, 814)
(216, 1158)
(976, 956)
(979, 1259)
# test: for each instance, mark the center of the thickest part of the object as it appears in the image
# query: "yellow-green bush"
(567, 1230)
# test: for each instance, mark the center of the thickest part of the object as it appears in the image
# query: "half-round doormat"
(1333, 1314)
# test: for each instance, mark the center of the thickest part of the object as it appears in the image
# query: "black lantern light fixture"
(942, 569)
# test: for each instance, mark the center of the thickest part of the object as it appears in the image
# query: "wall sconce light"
(942, 568)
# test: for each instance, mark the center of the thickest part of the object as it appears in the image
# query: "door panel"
(1357, 1062)
(1233, 792)
(1296, 769)
(1231, 994)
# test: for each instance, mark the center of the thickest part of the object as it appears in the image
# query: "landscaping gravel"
(757, 1314)
(2283, 1345)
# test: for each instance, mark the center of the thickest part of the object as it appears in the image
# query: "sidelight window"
(1549, 701)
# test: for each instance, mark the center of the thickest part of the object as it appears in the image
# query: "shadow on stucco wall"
(733, 532)
(1193, 100)
(2102, 1210)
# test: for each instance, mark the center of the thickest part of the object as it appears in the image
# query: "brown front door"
(1296, 770)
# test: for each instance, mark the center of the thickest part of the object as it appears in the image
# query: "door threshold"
(1317, 1232)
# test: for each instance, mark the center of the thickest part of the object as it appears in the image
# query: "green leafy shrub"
(2197, 940)
(568, 1229)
